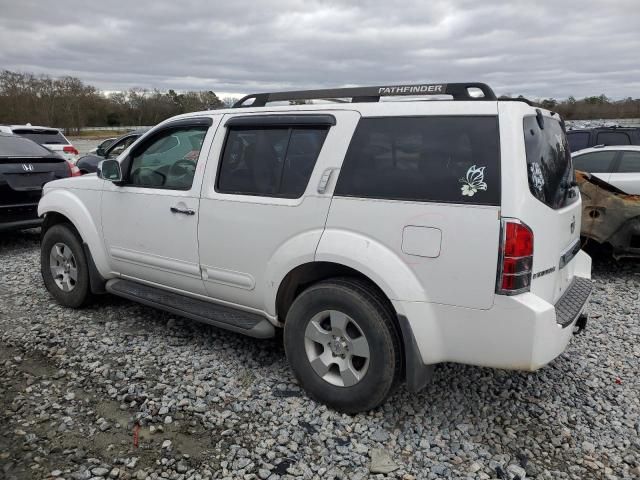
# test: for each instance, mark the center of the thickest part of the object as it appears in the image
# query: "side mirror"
(110, 170)
(100, 151)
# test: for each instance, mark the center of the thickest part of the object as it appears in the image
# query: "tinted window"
(630, 162)
(439, 159)
(50, 137)
(269, 161)
(119, 147)
(597, 162)
(14, 146)
(578, 140)
(548, 162)
(613, 138)
(168, 160)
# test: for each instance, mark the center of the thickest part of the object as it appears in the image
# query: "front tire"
(64, 267)
(342, 344)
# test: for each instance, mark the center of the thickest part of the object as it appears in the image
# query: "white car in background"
(50, 138)
(618, 165)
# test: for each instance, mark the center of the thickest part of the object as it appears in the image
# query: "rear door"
(263, 206)
(426, 189)
(626, 173)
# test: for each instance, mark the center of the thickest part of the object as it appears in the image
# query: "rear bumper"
(18, 217)
(522, 332)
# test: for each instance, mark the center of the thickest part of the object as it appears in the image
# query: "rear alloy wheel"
(342, 344)
(64, 267)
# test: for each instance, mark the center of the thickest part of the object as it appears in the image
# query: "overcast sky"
(536, 48)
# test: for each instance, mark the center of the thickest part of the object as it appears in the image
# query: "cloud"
(538, 49)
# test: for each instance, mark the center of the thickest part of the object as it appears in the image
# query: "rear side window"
(629, 163)
(43, 137)
(596, 162)
(613, 138)
(434, 159)
(549, 166)
(269, 161)
(578, 140)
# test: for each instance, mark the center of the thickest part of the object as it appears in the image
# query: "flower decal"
(474, 181)
(537, 179)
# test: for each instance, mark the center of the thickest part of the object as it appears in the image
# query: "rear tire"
(342, 344)
(64, 267)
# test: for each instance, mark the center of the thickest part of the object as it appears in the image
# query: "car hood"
(85, 182)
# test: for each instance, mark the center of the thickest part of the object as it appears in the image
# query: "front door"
(150, 221)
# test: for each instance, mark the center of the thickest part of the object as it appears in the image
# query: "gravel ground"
(78, 387)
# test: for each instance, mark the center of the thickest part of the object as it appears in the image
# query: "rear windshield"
(549, 166)
(49, 137)
(14, 146)
(430, 159)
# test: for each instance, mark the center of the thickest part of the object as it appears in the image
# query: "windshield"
(549, 166)
(48, 137)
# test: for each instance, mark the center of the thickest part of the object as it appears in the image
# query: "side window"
(613, 138)
(578, 140)
(269, 161)
(630, 163)
(121, 146)
(438, 159)
(597, 162)
(168, 160)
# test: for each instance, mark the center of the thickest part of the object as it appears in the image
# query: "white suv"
(50, 138)
(384, 237)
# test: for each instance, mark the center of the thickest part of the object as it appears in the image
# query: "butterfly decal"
(474, 181)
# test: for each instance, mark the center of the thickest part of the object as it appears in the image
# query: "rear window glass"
(578, 140)
(613, 138)
(50, 137)
(14, 146)
(597, 162)
(549, 162)
(436, 158)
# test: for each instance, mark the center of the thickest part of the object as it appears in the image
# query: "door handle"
(184, 211)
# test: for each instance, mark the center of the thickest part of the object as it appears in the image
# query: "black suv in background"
(25, 167)
(582, 138)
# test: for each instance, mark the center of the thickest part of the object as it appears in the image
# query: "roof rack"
(459, 91)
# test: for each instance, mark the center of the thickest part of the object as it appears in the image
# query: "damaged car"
(610, 216)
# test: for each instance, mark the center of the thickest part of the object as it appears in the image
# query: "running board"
(218, 315)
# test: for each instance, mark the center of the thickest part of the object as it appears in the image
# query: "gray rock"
(381, 462)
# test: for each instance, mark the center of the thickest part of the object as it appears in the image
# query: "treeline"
(69, 103)
(589, 108)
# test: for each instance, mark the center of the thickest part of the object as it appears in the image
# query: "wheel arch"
(62, 206)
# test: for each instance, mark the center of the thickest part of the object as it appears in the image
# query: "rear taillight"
(74, 171)
(516, 258)
(70, 149)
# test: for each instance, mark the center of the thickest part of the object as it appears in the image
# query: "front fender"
(81, 207)
(384, 267)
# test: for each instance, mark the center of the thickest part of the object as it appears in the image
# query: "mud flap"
(417, 374)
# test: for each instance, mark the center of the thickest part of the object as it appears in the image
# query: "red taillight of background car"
(74, 171)
(70, 149)
(516, 258)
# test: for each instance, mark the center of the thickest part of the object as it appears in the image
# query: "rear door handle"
(184, 211)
